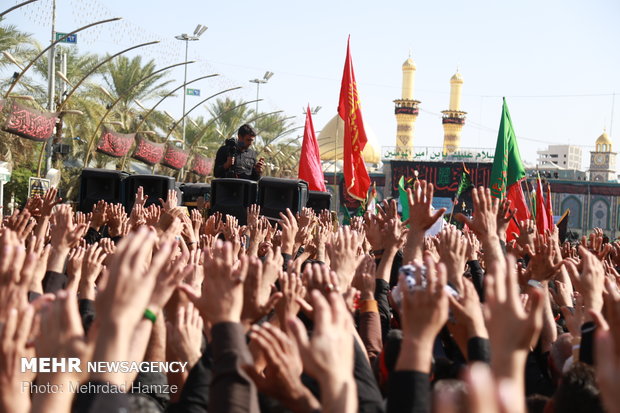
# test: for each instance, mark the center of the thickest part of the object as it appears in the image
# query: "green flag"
(465, 183)
(404, 199)
(507, 166)
(346, 217)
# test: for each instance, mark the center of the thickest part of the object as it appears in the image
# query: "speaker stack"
(318, 201)
(232, 196)
(100, 184)
(275, 195)
(155, 186)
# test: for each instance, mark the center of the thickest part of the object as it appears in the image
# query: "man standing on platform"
(235, 159)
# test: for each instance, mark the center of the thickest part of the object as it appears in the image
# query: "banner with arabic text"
(202, 166)
(27, 122)
(445, 176)
(175, 157)
(148, 152)
(115, 144)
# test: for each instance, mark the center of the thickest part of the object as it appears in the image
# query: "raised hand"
(92, 265)
(169, 278)
(116, 218)
(342, 251)
(49, 201)
(542, 264)
(590, 281)
(373, 227)
(21, 223)
(140, 197)
(289, 232)
(222, 292)
(420, 207)
(257, 298)
(293, 293)
(100, 215)
(424, 313)
(171, 200)
(608, 351)
(364, 279)
(333, 329)
(452, 248)
(121, 304)
(196, 218)
(14, 335)
(185, 335)
(484, 220)
(281, 379)
(74, 268)
(504, 216)
(420, 219)
(63, 338)
(253, 212)
(510, 346)
(305, 217)
(468, 311)
(527, 234)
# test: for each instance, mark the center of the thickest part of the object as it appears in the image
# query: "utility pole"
(51, 85)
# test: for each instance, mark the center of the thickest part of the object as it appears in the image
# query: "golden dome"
(409, 64)
(604, 138)
(331, 145)
(457, 77)
(603, 143)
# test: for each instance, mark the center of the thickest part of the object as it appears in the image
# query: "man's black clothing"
(245, 159)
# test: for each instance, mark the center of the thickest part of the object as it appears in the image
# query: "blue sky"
(557, 62)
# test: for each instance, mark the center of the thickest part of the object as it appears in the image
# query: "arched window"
(574, 204)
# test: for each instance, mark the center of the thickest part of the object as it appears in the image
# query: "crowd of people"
(303, 315)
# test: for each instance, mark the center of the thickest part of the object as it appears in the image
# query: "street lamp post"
(258, 82)
(200, 29)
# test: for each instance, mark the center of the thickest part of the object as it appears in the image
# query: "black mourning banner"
(27, 122)
(115, 144)
(175, 157)
(148, 152)
(202, 166)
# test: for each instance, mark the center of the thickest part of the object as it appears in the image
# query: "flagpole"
(336, 147)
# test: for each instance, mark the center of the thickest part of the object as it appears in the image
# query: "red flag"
(310, 162)
(356, 176)
(548, 207)
(542, 222)
(517, 200)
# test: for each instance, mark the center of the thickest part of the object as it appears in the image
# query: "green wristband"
(150, 315)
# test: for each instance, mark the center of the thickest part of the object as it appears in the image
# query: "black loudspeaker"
(155, 186)
(318, 201)
(191, 192)
(232, 196)
(100, 184)
(275, 195)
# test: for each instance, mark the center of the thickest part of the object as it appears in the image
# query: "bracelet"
(576, 347)
(148, 314)
(535, 284)
(377, 252)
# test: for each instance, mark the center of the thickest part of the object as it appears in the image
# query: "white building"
(561, 156)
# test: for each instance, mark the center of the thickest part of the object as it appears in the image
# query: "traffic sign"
(193, 92)
(72, 38)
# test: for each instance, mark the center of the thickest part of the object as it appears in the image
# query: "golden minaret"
(453, 119)
(406, 111)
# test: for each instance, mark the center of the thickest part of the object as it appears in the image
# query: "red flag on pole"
(548, 207)
(310, 162)
(542, 222)
(356, 176)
